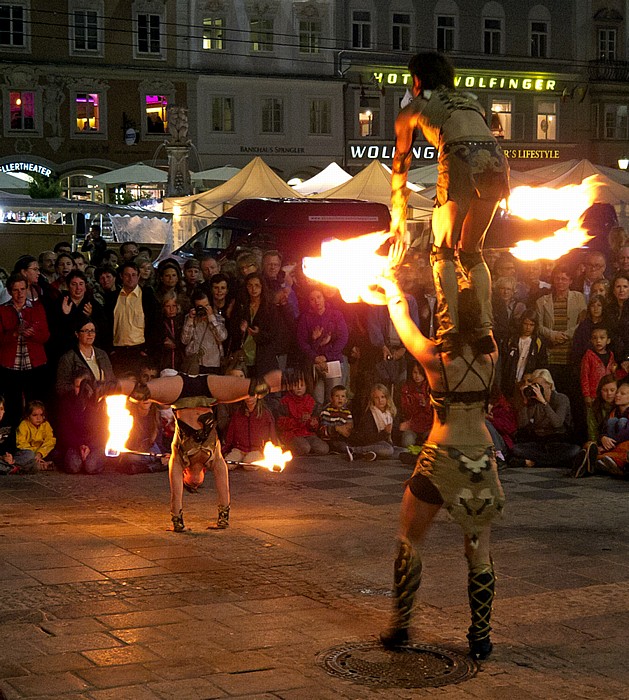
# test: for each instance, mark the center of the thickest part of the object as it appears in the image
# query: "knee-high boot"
(477, 272)
(407, 575)
(480, 589)
(447, 289)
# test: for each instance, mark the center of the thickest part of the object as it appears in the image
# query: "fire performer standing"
(456, 468)
(473, 177)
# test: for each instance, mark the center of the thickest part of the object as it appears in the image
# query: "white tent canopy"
(425, 175)
(226, 172)
(136, 174)
(194, 212)
(572, 171)
(10, 183)
(331, 176)
(373, 184)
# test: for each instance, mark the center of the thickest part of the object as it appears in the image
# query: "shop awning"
(136, 174)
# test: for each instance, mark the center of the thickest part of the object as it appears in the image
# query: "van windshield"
(210, 238)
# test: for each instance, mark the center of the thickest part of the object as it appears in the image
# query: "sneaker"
(369, 456)
(592, 450)
(608, 465)
(580, 466)
(349, 456)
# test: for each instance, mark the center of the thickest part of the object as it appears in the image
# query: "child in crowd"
(612, 454)
(146, 436)
(593, 318)
(372, 437)
(416, 408)
(35, 437)
(335, 421)
(12, 460)
(297, 426)
(171, 351)
(523, 353)
(250, 428)
(597, 362)
(224, 411)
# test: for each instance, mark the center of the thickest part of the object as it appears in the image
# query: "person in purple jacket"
(322, 335)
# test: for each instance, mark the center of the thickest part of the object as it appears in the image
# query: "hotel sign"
(478, 81)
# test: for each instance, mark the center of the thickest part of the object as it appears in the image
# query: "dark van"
(296, 227)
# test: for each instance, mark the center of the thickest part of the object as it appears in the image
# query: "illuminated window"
(320, 116)
(222, 114)
(401, 32)
(85, 30)
(87, 111)
(309, 36)
(368, 116)
(149, 34)
(445, 33)
(539, 39)
(213, 33)
(361, 29)
(12, 25)
(607, 44)
(616, 122)
(492, 36)
(501, 119)
(261, 31)
(547, 121)
(272, 115)
(156, 110)
(22, 111)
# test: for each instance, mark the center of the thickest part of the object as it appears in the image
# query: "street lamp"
(623, 163)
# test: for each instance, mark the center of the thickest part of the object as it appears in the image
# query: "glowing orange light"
(351, 265)
(120, 425)
(567, 203)
(274, 459)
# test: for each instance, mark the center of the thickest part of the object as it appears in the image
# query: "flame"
(274, 459)
(568, 203)
(351, 265)
(120, 424)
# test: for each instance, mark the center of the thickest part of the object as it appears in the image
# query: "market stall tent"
(331, 176)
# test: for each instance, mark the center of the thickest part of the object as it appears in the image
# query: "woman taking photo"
(456, 469)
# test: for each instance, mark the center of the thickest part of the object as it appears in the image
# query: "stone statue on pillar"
(178, 149)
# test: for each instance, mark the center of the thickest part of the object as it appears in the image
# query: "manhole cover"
(414, 666)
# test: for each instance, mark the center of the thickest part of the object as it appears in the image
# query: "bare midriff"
(465, 425)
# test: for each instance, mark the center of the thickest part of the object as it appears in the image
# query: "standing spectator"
(136, 325)
(209, 268)
(170, 279)
(558, 316)
(95, 245)
(146, 272)
(622, 260)
(192, 276)
(533, 286)
(64, 264)
(322, 335)
(524, 353)
(12, 460)
(172, 325)
(222, 301)
(595, 265)
(129, 251)
(28, 266)
(593, 318)
(283, 297)
(616, 316)
(110, 258)
(46, 260)
(297, 425)
(80, 263)
(202, 336)
(507, 310)
(23, 333)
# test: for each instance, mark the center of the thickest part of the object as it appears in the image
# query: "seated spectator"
(202, 337)
(297, 425)
(82, 434)
(502, 423)
(416, 408)
(614, 444)
(602, 406)
(224, 411)
(544, 425)
(250, 428)
(371, 438)
(593, 318)
(336, 422)
(12, 460)
(171, 355)
(145, 436)
(524, 353)
(82, 356)
(35, 437)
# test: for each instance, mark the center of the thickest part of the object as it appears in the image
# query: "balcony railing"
(609, 71)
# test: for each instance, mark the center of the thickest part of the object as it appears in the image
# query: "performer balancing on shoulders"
(473, 177)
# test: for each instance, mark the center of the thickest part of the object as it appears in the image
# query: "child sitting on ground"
(416, 408)
(12, 460)
(371, 438)
(297, 425)
(34, 435)
(249, 429)
(335, 421)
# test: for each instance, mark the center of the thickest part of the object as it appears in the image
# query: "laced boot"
(407, 575)
(477, 272)
(480, 589)
(222, 522)
(177, 521)
(447, 290)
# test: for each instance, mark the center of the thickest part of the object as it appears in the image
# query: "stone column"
(179, 182)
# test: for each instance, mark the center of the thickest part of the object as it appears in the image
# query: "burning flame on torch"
(120, 425)
(567, 203)
(351, 265)
(274, 459)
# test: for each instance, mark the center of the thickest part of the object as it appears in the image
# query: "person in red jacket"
(249, 429)
(416, 408)
(23, 332)
(297, 425)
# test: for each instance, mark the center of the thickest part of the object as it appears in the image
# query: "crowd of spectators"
(562, 333)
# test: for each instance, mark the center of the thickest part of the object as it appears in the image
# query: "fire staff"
(473, 177)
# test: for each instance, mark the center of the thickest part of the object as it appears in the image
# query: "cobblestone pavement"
(98, 600)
